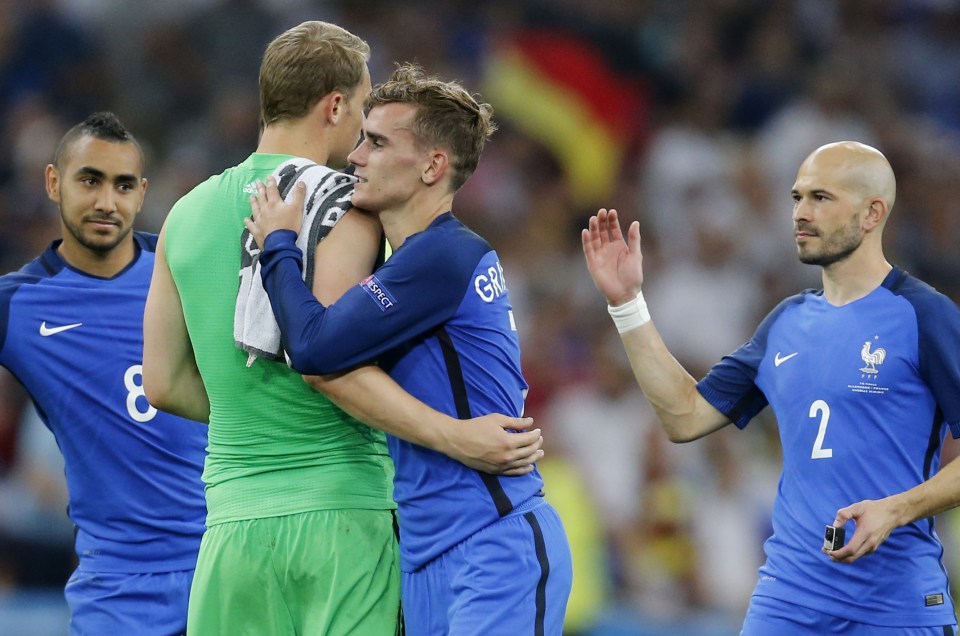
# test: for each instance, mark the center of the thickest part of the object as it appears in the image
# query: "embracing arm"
(171, 379)
(616, 267)
(341, 260)
(482, 443)
(344, 257)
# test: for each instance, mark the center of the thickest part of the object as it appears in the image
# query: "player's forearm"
(669, 388)
(938, 494)
(392, 411)
(494, 443)
(314, 346)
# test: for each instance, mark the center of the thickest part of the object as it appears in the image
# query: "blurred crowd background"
(690, 116)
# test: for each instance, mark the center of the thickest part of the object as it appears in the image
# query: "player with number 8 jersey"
(71, 331)
(75, 343)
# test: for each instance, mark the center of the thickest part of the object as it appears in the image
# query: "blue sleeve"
(7, 289)
(419, 288)
(9, 285)
(938, 321)
(730, 386)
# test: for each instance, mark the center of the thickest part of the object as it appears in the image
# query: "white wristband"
(630, 314)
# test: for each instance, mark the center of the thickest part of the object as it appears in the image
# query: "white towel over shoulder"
(329, 192)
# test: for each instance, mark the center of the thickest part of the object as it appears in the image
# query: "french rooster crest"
(872, 358)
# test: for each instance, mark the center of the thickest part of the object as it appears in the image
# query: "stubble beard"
(836, 247)
(94, 241)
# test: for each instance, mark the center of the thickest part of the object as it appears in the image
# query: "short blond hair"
(305, 63)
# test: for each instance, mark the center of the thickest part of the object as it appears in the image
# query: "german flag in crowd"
(559, 88)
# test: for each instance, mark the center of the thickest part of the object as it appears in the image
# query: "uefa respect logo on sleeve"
(372, 285)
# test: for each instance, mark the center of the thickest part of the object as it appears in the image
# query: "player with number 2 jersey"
(879, 372)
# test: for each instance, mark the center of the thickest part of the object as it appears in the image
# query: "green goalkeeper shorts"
(326, 572)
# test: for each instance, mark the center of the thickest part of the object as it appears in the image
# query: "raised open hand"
(615, 264)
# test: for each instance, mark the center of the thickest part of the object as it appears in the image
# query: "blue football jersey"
(437, 317)
(75, 342)
(863, 395)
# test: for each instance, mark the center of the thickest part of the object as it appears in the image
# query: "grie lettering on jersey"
(491, 284)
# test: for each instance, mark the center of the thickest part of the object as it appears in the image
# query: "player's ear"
(329, 108)
(335, 107)
(143, 192)
(876, 214)
(52, 182)
(438, 166)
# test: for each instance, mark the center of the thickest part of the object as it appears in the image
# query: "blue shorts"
(512, 577)
(120, 603)
(772, 617)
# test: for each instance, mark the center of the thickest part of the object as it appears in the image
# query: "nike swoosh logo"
(777, 360)
(49, 331)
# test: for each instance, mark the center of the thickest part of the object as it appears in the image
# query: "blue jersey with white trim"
(863, 395)
(75, 342)
(437, 318)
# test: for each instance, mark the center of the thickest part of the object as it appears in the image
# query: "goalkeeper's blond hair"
(305, 63)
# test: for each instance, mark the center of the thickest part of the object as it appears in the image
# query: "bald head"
(841, 203)
(858, 168)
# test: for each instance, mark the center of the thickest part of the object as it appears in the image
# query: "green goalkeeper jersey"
(276, 446)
